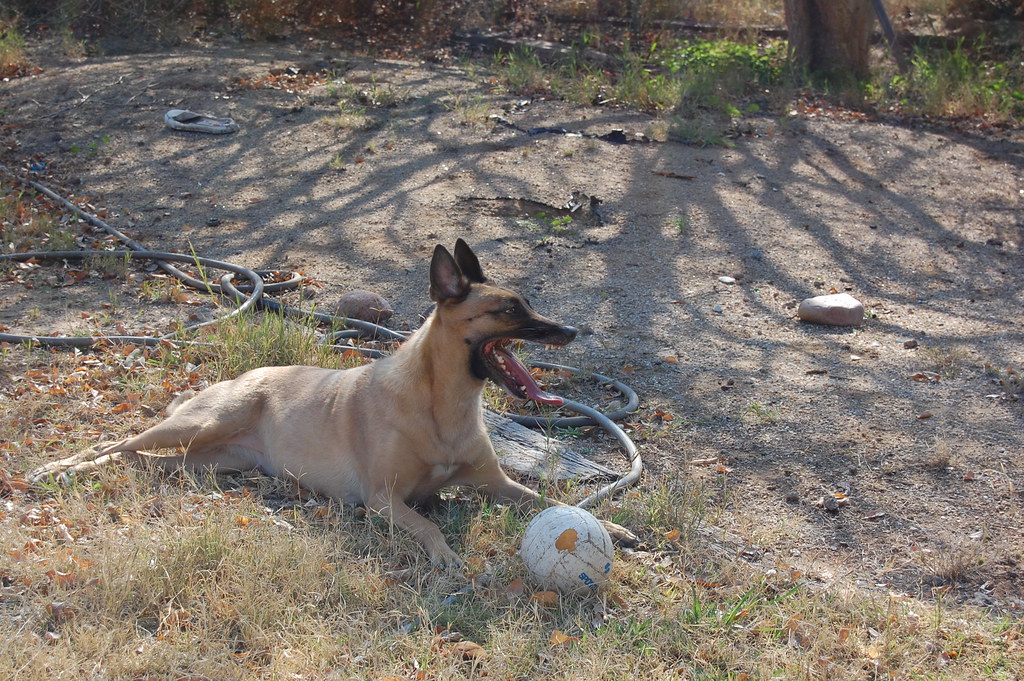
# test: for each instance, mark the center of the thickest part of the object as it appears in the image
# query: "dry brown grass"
(137, 575)
(133, 575)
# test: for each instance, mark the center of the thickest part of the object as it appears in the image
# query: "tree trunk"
(830, 37)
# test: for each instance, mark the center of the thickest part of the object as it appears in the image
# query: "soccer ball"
(566, 549)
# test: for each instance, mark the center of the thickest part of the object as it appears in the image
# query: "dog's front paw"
(620, 535)
(446, 559)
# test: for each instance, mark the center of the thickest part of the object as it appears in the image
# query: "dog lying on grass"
(388, 434)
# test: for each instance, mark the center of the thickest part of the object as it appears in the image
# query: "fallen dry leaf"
(516, 589)
(469, 650)
(559, 638)
(59, 578)
(60, 612)
(10, 484)
(546, 599)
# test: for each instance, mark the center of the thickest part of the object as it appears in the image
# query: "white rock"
(838, 309)
(727, 280)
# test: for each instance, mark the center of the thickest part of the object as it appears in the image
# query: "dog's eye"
(511, 308)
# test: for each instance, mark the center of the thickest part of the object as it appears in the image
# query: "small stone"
(727, 280)
(719, 309)
(838, 309)
(366, 306)
(910, 344)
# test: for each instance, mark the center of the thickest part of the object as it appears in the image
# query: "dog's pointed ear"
(468, 262)
(446, 278)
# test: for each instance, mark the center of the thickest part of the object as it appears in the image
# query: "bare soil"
(922, 224)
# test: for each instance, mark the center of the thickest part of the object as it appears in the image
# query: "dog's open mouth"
(505, 369)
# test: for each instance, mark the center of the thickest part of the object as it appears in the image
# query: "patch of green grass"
(719, 82)
(555, 224)
(639, 84)
(469, 109)
(249, 341)
(750, 65)
(680, 225)
(702, 86)
(352, 119)
(337, 162)
(549, 224)
(946, 361)
(522, 71)
(762, 413)
(355, 102)
(956, 82)
(160, 289)
(13, 58)
(92, 148)
(373, 95)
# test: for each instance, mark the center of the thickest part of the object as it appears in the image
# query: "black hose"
(88, 341)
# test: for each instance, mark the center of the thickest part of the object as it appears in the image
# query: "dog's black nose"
(569, 332)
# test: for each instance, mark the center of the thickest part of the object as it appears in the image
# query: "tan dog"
(388, 434)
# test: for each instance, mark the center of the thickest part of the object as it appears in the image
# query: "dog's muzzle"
(500, 364)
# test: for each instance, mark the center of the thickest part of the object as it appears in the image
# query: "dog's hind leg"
(204, 434)
(223, 458)
(54, 469)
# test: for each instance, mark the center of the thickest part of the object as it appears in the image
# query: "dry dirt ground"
(924, 225)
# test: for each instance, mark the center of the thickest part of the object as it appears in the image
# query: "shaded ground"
(923, 225)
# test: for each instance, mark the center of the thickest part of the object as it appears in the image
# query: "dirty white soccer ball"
(566, 549)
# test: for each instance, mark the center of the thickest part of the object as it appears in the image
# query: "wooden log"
(532, 453)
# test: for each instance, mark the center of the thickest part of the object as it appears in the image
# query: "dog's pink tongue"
(541, 397)
(518, 372)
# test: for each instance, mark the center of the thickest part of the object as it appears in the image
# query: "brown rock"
(838, 309)
(364, 305)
